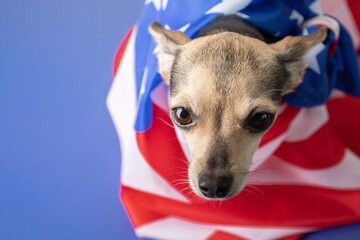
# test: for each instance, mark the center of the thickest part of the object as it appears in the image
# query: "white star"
(184, 28)
(242, 15)
(143, 83)
(156, 50)
(311, 55)
(315, 7)
(158, 4)
(167, 27)
(295, 15)
(164, 4)
(230, 7)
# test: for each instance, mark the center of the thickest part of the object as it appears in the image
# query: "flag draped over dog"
(306, 171)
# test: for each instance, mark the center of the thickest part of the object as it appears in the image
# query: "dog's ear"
(169, 42)
(292, 51)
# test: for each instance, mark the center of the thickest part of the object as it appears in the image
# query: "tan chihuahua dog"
(226, 87)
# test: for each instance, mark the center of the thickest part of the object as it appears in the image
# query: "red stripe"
(332, 47)
(344, 116)
(121, 50)
(296, 206)
(161, 149)
(138, 209)
(219, 235)
(322, 149)
(354, 6)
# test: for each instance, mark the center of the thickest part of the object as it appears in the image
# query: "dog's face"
(225, 92)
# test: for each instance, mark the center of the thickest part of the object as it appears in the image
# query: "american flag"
(306, 171)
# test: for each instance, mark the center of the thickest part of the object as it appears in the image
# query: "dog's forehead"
(228, 46)
(225, 65)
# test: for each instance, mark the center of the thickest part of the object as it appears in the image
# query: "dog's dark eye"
(182, 116)
(260, 121)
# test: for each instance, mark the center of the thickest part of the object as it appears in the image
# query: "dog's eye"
(181, 116)
(260, 121)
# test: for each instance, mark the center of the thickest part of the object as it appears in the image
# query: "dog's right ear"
(292, 51)
(169, 42)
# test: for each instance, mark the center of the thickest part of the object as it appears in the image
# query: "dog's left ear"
(169, 42)
(292, 51)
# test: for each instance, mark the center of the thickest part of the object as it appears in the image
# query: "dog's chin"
(234, 191)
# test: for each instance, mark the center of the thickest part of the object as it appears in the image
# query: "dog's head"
(225, 93)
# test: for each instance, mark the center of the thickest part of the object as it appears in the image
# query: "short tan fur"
(222, 81)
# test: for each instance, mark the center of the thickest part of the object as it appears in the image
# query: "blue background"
(59, 153)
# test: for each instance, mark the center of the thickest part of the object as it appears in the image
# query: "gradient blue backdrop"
(59, 153)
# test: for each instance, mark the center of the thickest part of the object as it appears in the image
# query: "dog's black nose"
(215, 187)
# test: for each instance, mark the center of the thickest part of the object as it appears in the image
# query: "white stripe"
(342, 176)
(282, 108)
(329, 22)
(336, 93)
(306, 123)
(172, 228)
(265, 151)
(121, 102)
(159, 96)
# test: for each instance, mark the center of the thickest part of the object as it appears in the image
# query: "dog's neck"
(233, 23)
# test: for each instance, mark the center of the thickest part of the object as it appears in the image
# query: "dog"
(226, 88)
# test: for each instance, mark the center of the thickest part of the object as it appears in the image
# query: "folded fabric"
(306, 169)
